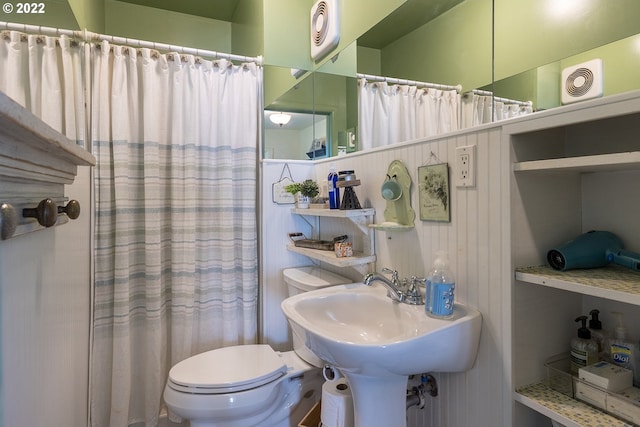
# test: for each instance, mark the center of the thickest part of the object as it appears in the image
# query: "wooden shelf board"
(334, 213)
(612, 282)
(330, 257)
(595, 163)
(564, 409)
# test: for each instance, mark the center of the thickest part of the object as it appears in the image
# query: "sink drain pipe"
(416, 395)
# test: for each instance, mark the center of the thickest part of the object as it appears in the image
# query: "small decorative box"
(344, 249)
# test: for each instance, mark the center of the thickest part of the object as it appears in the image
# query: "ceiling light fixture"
(280, 118)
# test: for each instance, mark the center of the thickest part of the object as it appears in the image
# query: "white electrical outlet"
(466, 166)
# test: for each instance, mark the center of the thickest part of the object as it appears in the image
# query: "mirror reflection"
(296, 135)
(512, 67)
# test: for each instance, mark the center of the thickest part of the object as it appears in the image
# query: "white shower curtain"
(476, 110)
(44, 75)
(176, 256)
(394, 113)
(480, 109)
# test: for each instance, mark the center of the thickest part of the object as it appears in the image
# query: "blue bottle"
(333, 190)
(440, 289)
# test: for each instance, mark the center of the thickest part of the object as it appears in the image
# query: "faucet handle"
(413, 295)
(394, 274)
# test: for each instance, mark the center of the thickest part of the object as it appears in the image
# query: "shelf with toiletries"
(36, 162)
(571, 172)
(363, 258)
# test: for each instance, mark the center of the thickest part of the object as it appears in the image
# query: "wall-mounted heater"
(582, 81)
(325, 28)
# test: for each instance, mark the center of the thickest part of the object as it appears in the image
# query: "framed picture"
(433, 188)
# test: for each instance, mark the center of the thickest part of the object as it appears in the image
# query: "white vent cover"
(582, 81)
(325, 28)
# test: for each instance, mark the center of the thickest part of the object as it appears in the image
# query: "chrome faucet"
(395, 286)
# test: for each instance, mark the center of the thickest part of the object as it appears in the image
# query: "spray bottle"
(440, 288)
(333, 190)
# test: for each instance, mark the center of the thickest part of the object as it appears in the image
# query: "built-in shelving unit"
(362, 260)
(36, 162)
(571, 171)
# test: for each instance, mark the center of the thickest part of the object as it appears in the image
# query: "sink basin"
(377, 343)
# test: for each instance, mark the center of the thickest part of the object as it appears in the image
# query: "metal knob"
(46, 213)
(8, 221)
(72, 209)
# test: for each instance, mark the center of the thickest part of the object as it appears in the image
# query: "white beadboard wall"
(45, 308)
(472, 239)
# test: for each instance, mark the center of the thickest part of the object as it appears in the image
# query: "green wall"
(89, 14)
(286, 28)
(454, 48)
(58, 14)
(146, 23)
(247, 29)
(531, 33)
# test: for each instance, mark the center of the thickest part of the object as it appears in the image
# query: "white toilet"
(251, 385)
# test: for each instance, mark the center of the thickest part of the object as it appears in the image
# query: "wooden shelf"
(612, 282)
(563, 409)
(335, 213)
(330, 257)
(596, 163)
(361, 218)
(36, 162)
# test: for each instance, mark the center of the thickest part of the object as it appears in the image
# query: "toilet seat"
(227, 370)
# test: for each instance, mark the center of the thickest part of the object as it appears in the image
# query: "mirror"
(607, 33)
(523, 46)
(298, 136)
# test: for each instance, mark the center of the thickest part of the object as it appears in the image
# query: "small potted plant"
(304, 191)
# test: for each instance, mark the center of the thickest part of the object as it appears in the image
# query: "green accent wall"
(58, 14)
(89, 14)
(454, 48)
(286, 28)
(531, 37)
(621, 64)
(247, 29)
(151, 24)
(531, 33)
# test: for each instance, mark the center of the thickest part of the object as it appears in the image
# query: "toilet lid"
(228, 369)
(312, 277)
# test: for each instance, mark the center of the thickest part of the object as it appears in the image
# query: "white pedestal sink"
(377, 343)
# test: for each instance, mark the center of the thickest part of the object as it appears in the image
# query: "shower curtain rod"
(457, 88)
(89, 36)
(499, 99)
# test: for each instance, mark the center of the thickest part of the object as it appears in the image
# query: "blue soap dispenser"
(440, 289)
(333, 190)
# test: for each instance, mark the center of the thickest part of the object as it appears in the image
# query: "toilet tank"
(304, 279)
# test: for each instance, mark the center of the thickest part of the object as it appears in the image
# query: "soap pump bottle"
(623, 351)
(584, 350)
(440, 288)
(597, 333)
(332, 188)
